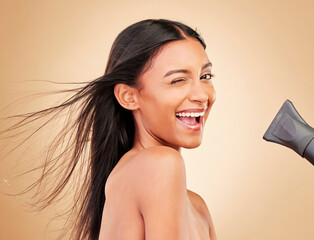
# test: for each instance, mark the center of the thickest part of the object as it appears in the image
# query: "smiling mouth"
(191, 120)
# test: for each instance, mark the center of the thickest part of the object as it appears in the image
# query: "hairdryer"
(289, 129)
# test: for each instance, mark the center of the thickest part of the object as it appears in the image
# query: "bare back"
(122, 217)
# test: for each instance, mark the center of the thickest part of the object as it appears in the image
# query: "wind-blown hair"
(101, 126)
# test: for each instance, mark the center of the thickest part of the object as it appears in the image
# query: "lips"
(191, 119)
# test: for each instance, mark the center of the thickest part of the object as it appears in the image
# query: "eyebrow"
(209, 64)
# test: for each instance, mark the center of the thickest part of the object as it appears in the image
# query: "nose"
(198, 93)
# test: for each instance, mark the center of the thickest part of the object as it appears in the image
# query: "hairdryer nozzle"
(289, 129)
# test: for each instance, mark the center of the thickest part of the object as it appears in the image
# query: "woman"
(153, 99)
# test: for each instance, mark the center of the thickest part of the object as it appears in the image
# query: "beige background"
(262, 53)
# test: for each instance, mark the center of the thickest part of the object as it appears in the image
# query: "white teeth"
(190, 114)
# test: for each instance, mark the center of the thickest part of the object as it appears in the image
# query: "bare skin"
(146, 194)
(122, 217)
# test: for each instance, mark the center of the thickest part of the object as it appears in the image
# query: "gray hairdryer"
(289, 129)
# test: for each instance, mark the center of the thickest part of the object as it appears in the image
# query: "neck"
(144, 139)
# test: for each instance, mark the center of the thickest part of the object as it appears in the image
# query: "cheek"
(211, 93)
(213, 96)
(159, 115)
(154, 107)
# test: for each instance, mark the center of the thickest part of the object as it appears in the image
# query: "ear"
(126, 96)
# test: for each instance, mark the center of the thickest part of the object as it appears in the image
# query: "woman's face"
(175, 96)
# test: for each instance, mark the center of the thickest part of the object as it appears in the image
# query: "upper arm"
(201, 207)
(206, 213)
(162, 195)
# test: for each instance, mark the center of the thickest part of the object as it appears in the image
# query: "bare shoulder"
(156, 161)
(161, 194)
(157, 165)
(201, 206)
(138, 169)
(159, 152)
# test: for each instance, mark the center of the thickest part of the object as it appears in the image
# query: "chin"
(192, 144)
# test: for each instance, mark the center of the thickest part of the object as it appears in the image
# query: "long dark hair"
(101, 131)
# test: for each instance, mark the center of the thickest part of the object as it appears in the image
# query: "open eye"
(207, 76)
